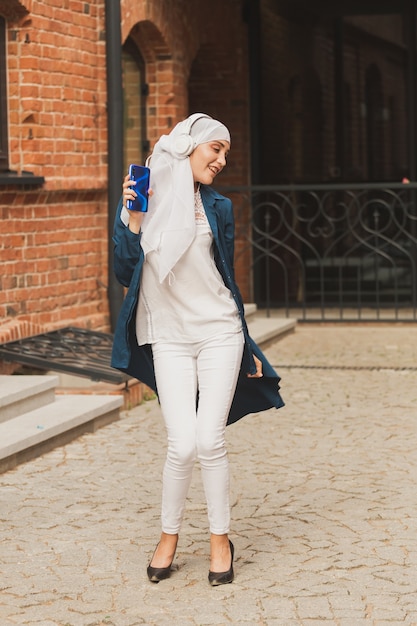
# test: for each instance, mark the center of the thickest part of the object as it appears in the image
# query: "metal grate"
(72, 350)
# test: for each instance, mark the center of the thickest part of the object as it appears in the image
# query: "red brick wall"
(52, 258)
(53, 239)
(57, 94)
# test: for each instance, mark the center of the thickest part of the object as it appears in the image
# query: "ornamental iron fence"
(342, 252)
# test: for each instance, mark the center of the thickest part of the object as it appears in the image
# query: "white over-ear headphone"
(184, 144)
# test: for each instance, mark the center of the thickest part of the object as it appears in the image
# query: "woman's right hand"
(135, 217)
(128, 192)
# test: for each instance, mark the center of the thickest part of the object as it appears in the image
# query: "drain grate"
(72, 350)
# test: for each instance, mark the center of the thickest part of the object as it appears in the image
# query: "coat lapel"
(208, 202)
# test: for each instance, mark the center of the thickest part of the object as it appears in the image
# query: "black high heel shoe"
(155, 574)
(223, 578)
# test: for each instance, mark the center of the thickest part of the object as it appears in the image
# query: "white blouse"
(193, 303)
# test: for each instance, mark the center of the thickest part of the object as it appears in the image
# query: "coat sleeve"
(127, 250)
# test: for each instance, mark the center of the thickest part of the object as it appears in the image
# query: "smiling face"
(207, 160)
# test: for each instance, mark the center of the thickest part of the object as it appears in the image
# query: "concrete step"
(250, 310)
(20, 394)
(266, 330)
(42, 429)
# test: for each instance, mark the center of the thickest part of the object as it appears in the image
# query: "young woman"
(182, 329)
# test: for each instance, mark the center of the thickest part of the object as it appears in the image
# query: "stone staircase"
(41, 412)
(34, 420)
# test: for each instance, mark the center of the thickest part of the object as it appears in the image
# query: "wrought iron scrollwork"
(339, 249)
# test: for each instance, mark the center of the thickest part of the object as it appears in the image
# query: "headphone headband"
(192, 119)
(184, 143)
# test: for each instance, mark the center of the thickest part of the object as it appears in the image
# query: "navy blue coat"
(252, 394)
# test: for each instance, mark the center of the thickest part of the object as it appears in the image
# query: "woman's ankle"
(169, 539)
(219, 541)
(165, 550)
(219, 553)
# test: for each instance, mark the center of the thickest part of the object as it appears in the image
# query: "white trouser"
(209, 368)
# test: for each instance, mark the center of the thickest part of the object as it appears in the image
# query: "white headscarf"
(169, 225)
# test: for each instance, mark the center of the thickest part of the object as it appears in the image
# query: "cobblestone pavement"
(324, 505)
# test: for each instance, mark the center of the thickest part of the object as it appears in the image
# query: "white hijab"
(168, 227)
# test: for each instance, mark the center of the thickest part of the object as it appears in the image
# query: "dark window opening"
(135, 143)
(8, 177)
(4, 152)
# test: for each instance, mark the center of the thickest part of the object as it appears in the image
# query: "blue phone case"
(140, 174)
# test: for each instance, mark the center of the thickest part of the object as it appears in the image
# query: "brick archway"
(164, 89)
(167, 37)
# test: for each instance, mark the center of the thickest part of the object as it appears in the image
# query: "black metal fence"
(331, 252)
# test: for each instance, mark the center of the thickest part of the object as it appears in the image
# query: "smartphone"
(140, 174)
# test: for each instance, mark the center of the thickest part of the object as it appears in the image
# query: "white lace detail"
(200, 214)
